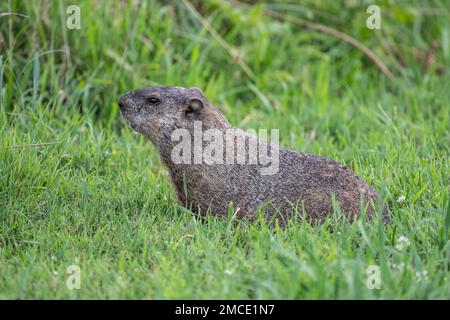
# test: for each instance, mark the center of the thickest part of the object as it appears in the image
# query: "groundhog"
(218, 169)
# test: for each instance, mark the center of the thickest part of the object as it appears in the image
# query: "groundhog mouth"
(133, 125)
(127, 116)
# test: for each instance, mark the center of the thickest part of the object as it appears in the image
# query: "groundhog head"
(157, 111)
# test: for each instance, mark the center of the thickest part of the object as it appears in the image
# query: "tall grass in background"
(128, 44)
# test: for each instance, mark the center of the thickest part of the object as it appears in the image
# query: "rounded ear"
(193, 105)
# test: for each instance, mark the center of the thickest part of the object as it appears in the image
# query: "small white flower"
(398, 267)
(422, 276)
(121, 282)
(401, 199)
(402, 243)
(228, 272)
(55, 273)
(53, 258)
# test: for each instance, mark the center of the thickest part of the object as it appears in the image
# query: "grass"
(98, 196)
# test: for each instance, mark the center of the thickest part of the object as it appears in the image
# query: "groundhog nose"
(122, 103)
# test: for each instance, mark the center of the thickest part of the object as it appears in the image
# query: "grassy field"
(92, 193)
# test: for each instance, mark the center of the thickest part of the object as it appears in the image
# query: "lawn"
(79, 188)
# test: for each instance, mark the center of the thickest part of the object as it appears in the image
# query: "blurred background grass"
(130, 44)
(98, 197)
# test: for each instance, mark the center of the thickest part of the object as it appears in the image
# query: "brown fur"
(310, 183)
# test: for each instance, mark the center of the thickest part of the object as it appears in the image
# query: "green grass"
(99, 198)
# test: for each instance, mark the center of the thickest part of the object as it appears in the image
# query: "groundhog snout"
(124, 101)
(121, 104)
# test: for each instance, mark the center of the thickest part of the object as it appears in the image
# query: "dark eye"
(154, 101)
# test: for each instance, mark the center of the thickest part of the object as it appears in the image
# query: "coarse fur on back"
(305, 185)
